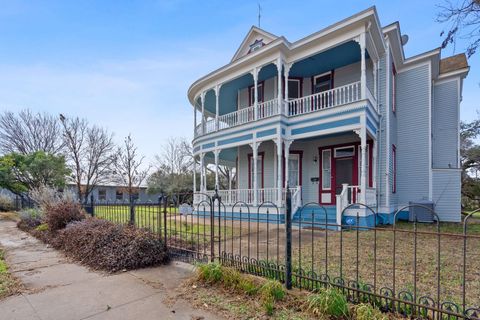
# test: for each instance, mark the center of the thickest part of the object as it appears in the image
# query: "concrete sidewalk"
(59, 289)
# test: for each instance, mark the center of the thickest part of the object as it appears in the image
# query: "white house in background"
(340, 116)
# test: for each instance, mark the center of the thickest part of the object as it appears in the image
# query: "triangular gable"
(255, 36)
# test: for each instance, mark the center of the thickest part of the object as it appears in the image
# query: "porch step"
(317, 215)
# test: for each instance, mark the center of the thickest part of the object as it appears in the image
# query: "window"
(326, 169)
(344, 152)
(367, 156)
(102, 194)
(294, 89)
(252, 94)
(394, 84)
(294, 170)
(322, 82)
(256, 45)
(119, 195)
(259, 171)
(394, 169)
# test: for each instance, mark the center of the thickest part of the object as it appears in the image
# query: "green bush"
(329, 301)
(368, 312)
(270, 292)
(6, 203)
(210, 273)
(42, 227)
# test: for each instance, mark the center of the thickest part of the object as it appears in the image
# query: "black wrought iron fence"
(416, 269)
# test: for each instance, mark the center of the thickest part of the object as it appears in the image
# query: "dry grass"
(380, 268)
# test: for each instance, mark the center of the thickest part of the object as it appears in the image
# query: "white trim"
(414, 66)
(460, 72)
(330, 170)
(388, 66)
(430, 157)
(344, 147)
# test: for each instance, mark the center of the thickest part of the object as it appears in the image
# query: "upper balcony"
(274, 78)
(338, 96)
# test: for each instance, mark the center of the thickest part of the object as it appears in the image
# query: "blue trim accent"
(328, 125)
(272, 218)
(208, 145)
(371, 114)
(371, 126)
(265, 133)
(283, 131)
(196, 149)
(236, 139)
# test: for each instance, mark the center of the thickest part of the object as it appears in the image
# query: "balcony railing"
(316, 102)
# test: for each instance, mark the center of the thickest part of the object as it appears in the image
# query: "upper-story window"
(323, 82)
(256, 45)
(251, 94)
(294, 88)
(394, 85)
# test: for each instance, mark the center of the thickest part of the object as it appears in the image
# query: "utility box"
(422, 213)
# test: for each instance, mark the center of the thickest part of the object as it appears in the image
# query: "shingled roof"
(453, 63)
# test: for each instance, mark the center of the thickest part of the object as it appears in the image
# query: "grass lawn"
(311, 256)
(8, 284)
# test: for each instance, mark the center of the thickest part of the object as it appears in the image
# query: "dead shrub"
(100, 244)
(59, 214)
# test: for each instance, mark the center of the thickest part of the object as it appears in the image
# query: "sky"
(127, 65)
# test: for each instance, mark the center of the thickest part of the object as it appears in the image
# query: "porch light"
(315, 158)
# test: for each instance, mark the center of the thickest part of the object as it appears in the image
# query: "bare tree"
(463, 19)
(27, 133)
(176, 156)
(129, 168)
(90, 154)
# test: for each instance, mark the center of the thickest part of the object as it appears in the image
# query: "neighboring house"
(350, 120)
(117, 193)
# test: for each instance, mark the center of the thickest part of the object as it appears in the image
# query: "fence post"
(92, 205)
(132, 211)
(212, 229)
(288, 240)
(165, 229)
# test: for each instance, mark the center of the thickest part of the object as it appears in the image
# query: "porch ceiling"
(334, 58)
(227, 156)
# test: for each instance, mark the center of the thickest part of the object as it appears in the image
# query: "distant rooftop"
(453, 63)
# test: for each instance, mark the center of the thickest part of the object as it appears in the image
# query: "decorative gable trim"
(246, 45)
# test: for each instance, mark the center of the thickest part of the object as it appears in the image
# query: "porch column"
(194, 174)
(195, 119)
(255, 90)
(363, 169)
(230, 185)
(202, 178)
(287, 144)
(216, 154)
(202, 99)
(217, 105)
(286, 73)
(254, 146)
(279, 65)
(279, 145)
(363, 75)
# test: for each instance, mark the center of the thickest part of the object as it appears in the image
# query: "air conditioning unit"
(419, 209)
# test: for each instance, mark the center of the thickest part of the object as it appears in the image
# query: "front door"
(343, 173)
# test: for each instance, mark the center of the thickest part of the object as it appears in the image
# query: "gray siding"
(446, 194)
(445, 125)
(413, 117)
(393, 124)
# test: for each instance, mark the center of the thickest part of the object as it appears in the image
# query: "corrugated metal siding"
(413, 134)
(445, 125)
(446, 194)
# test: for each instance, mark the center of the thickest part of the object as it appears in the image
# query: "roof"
(453, 63)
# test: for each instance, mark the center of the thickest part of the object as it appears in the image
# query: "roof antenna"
(259, 14)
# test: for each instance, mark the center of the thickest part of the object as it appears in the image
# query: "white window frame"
(329, 168)
(345, 147)
(322, 75)
(252, 94)
(294, 156)
(299, 85)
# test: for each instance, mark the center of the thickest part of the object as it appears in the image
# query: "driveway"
(56, 288)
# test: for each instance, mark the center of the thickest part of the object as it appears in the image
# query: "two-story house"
(340, 116)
